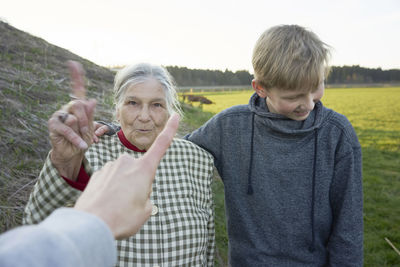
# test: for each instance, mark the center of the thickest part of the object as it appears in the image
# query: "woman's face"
(143, 113)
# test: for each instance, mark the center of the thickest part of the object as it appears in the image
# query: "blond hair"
(290, 57)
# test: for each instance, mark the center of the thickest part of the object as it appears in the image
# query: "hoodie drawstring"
(249, 186)
(312, 246)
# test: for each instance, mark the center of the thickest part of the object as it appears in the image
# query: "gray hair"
(135, 74)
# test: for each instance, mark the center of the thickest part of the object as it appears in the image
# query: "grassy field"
(375, 115)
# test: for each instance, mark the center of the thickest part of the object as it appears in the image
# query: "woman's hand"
(71, 128)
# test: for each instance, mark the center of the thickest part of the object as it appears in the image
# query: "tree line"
(197, 77)
(357, 74)
(338, 75)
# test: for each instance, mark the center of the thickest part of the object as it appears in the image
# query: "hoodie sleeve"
(208, 137)
(345, 245)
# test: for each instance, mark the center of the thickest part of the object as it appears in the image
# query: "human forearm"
(67, 167)
(346, 241)
(49, 193)
(68, 237)
(208, 137)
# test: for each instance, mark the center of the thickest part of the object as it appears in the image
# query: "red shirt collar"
(126, 143)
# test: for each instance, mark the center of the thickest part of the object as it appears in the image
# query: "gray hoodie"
(293, 189)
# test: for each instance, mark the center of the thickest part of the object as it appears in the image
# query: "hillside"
(34, 82)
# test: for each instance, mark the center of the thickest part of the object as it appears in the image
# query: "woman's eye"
(158, 105)
(132, 102)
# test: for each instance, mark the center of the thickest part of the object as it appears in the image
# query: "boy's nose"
(309, 103)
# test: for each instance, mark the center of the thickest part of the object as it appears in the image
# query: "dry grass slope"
(33, 82)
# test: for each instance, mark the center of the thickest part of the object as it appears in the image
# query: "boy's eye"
(291, 98)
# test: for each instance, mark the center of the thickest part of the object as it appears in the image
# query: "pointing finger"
(162, 142)
(77, 79)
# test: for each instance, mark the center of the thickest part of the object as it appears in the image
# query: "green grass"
(381, 205)
(195, 117)
(221, 236)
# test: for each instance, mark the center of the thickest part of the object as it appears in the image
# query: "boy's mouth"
(301, 113)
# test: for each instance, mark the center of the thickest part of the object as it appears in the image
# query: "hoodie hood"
(284, 125)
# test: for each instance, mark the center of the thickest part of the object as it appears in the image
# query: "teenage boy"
(291, 167)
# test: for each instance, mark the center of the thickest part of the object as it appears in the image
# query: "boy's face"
(295, 105)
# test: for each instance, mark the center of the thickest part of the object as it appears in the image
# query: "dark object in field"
(197, 98)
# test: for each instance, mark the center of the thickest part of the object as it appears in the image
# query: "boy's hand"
(102, 128)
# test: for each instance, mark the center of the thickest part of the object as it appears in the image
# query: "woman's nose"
(144, 114)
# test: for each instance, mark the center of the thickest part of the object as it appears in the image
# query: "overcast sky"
(207, 34)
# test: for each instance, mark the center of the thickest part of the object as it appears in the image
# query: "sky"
(207, 34)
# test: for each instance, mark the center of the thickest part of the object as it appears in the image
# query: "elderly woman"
(180, 231)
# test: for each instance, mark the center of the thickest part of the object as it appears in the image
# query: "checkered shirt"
(180, 234)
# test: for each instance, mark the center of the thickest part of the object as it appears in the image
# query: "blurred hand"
(119, 193)
(71, 128)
